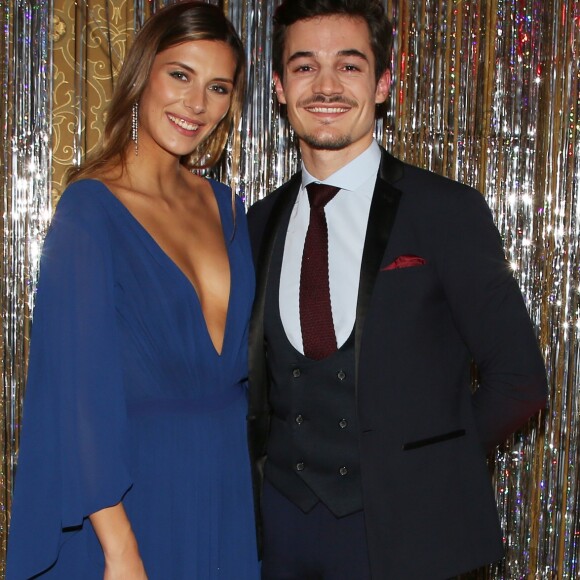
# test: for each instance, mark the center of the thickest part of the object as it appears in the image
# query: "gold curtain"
(89, 44)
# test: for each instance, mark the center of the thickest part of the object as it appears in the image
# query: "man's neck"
(322, 163)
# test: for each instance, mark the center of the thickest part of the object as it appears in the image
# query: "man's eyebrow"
(346, 52)
(354, 52)
(300, 54)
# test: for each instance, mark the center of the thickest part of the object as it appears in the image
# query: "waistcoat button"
(343, 471)
(300, 466)
(343, 423)
(341, 375)
(296, 373)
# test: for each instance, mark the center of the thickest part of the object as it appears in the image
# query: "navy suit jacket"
(435, 295)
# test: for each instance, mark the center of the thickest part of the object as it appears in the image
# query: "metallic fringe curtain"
(25, 165)
(485, 91)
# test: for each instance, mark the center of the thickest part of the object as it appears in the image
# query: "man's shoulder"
(430, 190)
(262, 214)
(264, 206)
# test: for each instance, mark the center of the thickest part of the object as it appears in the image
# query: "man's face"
(329, 85)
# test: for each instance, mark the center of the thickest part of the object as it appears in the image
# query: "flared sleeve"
(72, 460)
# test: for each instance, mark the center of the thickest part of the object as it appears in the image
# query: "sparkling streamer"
(25, 73)
(486, 92)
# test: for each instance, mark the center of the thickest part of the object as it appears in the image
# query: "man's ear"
(279, 89)
(383, 87)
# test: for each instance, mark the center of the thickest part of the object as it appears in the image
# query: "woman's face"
(188, 93)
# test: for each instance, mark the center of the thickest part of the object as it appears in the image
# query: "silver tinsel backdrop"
(485, 91)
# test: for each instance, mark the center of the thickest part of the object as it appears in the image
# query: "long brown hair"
(172, 25)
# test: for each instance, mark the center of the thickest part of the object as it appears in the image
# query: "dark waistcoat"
(313, 444)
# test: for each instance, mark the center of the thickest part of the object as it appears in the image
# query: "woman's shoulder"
(233, 216)
(84, 205)
(224, 192)
(84, 196)
(219, 188)
(224, 196)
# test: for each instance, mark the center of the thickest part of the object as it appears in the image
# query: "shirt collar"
(354, 174)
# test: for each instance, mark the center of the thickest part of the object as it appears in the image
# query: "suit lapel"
(287, 194)
(381, 218)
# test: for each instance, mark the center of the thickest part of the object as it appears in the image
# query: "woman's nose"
(194, 99)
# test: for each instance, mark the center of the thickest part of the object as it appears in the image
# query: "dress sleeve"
(72, 459)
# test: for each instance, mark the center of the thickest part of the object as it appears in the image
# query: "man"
(373, 297)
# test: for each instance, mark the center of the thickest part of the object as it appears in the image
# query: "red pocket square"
(406, 261)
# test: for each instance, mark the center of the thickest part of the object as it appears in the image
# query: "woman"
(133, 460)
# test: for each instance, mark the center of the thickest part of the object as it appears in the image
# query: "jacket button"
(299, 419)
(300, 466)
(343, 471)
(296, 373)
(341, 375)
(343, 423)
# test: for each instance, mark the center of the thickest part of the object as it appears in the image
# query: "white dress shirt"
(347, 215)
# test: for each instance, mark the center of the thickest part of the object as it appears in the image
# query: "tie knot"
(319, 194)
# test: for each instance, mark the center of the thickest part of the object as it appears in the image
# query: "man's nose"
(327, 82)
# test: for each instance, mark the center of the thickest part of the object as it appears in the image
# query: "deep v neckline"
(172, 264)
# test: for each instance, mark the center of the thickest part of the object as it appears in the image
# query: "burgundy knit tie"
(318, 335)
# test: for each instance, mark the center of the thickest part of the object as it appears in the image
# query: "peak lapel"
(277, 219)
(381, 219)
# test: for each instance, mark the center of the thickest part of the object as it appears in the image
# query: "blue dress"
(127, 399)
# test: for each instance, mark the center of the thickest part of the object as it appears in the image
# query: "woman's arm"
(122, 558)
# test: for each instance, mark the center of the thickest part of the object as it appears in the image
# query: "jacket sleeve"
(490, 313)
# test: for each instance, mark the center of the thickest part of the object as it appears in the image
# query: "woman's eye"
(178, 75)
(220, 89)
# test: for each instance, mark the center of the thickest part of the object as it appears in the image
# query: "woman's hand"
(122, 558)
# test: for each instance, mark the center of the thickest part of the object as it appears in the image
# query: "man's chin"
(326, 142)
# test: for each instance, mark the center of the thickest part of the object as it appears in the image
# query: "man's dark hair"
(371, 11)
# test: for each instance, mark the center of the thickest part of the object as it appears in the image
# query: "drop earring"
(134, 130)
